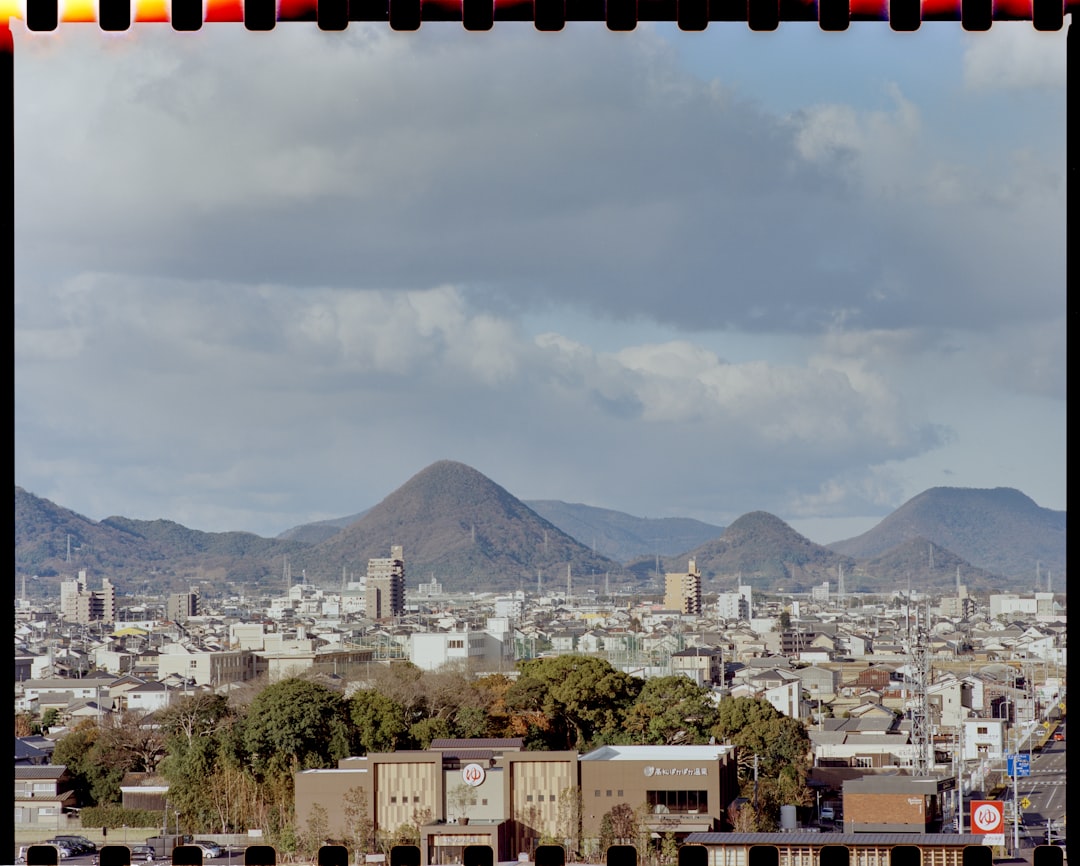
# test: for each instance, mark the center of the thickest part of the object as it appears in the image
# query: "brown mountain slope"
(1000, 531)
(761, 549)
(461, 527)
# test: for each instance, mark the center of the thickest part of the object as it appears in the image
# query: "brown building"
(685, 789)
(492, 792)
(895, 804)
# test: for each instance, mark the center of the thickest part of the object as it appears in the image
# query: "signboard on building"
(988, 821)
(473, 775)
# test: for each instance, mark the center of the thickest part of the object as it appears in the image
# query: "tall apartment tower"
(682, 592)
(384, 595)
(181, 605)
(80, 604)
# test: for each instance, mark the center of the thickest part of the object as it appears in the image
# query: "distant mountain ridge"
(999, 530)
(466, 531)
(621, 536)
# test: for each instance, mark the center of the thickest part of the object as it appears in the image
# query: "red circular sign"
(987, 817)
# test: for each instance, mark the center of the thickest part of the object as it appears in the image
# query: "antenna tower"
(919, 703)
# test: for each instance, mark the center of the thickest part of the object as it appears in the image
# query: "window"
(484, 801)
(677, 801)
(608, 792)
(540, 798)
(596, 793)
(393, 799)
(529, 797)
(620, 792)
(982, 730)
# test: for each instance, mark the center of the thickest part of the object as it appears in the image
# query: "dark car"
(79, 844)
(142, 852)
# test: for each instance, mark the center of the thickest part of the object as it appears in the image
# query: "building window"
(982, 730)
(608, 792)
(393, 799)
(677, 801)
(416, 798)
(596, 793)
(484, 801)
(529, 797)
(620, 792)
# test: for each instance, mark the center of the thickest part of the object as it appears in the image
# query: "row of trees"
(230, 760)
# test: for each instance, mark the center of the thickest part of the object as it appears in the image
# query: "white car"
(209, 849)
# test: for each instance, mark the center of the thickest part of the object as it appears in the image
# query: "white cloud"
(1013, 56)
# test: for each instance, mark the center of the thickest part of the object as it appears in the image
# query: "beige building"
(682, 592)
(492, 792)
(80, 604)
(206, 668)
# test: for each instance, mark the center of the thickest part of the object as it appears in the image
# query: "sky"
(264, 279)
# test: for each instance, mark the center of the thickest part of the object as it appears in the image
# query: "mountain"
(621, 536)
(155, 555)
(469, 533)
(924, 565)
(313, 533)
(760, 549)
(1000, 531)
(461, 528)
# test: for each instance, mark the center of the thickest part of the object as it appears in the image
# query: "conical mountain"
(926, 566)
(1001, 531)
(761, 549)
(460, 527)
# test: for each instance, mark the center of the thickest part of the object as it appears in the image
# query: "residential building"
(384, 593)
(181, 606)
(80, 604)
(43, 796)
(682, 592)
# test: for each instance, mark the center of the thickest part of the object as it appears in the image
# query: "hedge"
(117, 816)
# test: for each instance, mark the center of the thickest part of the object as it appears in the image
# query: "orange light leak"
(224, 10)
(158, 11)
(152, 12)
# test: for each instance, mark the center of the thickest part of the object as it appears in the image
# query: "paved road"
(1045, 791)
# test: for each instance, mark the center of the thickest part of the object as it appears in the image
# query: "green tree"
(295, 725)
(585, 699)
(95, 771)
(671, 710)
(735, 714)
(379, 722)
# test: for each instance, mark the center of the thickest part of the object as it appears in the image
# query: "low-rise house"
(43, 796)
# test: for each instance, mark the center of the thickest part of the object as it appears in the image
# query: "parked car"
(65, 850)
(142, 852)
(1059, 736)
(79, 844)
(828, 813)
(210, 849)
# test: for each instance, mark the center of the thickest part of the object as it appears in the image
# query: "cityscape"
(583, 720)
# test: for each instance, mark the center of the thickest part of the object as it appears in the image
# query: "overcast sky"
(263, 279)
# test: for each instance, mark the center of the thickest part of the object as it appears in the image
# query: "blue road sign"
(1021, 763)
